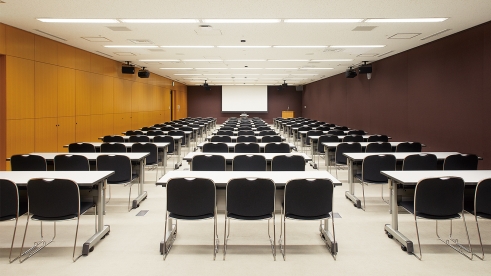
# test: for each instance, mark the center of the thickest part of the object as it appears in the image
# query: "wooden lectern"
(287, 114)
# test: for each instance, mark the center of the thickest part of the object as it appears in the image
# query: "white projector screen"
(246, 98)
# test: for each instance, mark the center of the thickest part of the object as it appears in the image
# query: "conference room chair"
(271, 138)
(336, 132)
(11, 207)
(208, 162)
(261, 128)
(146, 128)
(179, 133)
(277, 148)
(341, 128)
(190, 199)
(227, 128)
(69, 162)
(188, 129)
(302, 128)
(356, 132)
(439, 199)
(133, 132)
(378, 138)
(167, 128)
(250, 199)
(420, 162)
(246, 148)
(247, 138)
(225, 132)
(113, 138)
(340, 161)
(323, 128)
(480, 207)
(166, 139)
(151, 160)
(249, 162)
(113, 147)
(245, 128)
(409, 147)
(221, 138)
(245, 132)
(460, 162)
(288, 163)
(81, 147)
(123, 171)
(353, 138)
(27, 162)
(312, 133)
(370, 172)
(154, 132)
(378, 147)
(215, 147)
(267, 132)
(325, 139)
(307, 199)
(52, 200)
(139, 138)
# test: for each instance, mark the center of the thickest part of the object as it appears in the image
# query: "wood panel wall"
(52, 94)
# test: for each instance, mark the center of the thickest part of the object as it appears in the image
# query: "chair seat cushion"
(235, 216)
(204, 216)
(359, 177)
(133, 177)
(293, 216)
(22, 210)
(409, 206)
(84, 206)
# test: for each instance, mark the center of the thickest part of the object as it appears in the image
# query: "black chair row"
(247, 162)
(247, 147)
(245, 138)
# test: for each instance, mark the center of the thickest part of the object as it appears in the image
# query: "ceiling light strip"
(157, 20)
(77, 20)
(209, 21)
(329, 20)
(406, 20)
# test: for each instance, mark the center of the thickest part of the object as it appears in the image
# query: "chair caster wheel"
(91, 249)
(391, 237)
(404, 248)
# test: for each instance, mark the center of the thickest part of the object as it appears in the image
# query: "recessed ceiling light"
(405, 20)
(77, 20)
(315, 68)
(281, 68)
(288, 60)
(245, 60)
(159, 20)
(202, 60)
(130, 46)
(331, 20)
(187, 74)
(187, 46)
(177, 68)
(241, 46)
(241, 20)
(156, 60)
(357, 46)
(299, 46)
(333, 60)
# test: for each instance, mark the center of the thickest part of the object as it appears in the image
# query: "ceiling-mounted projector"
(284, 83)
(206, 86)
(143, 73)
(365, 68)
(128, 68)
(351, 73)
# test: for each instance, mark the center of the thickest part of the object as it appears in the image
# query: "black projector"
(365, 69)
(350, 73)
(127, 69)
(144, 74)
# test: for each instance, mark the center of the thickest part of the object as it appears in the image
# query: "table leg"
(314, 165)
(170, 236)
(351, 193)
(141, 194)
(102, 230)
(178, 164)
(327, 237)
(392, 230)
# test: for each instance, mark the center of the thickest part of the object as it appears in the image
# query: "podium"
(287, 114)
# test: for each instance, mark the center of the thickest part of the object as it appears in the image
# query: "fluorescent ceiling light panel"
(275, 74)
(159, 20)
(405, 20)
(156, 60)
(333, 60)
(186, 46)
(312, 68)
(246, 68)
(77, 20)
(304, 74)
(176, 68)
(239, 46)
(187, 74)
(281, 68)
(202, 60)
(241, 20)
(288, 60)
(245, 60)
(217, 74)
(130, 46)
(357, 46)
(247, 74)
(211, 68)
(331, 20)
(299, 46)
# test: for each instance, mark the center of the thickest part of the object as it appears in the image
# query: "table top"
(232, 145)
(221, 178)
(82, 178)
(92, 156)
(126, 144)
(231, 155)
(235, 137)
(413, 177)
(356, 156)
(363, 144)
(125, 137)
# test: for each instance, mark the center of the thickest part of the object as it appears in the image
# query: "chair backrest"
(113, 138)
(247, 148)
(323, 128)
(245, 132)
(227, 128)
(27, 162)
(345, 147)
(133, 132)
(245, 128)
(267, 132)
(409, 147)
(139, 138)
(353, 138)
(373, 164)
(271, 138)
(9, 200)
(81, 147)
(225, 132)
(263, 128)
(191, 197)
(420, 162)
(439, 197)
(249, 163)
(68, 162)
(378, 138)
(482, 204)
(379, 147)
(113, 147)
(215, 147)
(120, 164)
(341, 128)
(221, 138)
(167, 128)
(165, 139)
(208, 163)
(250, 198)
(146, 128)
(151, 159)
(326, 139)
(155, 132)
(308, 198)
(288, 163)
(356, 132)
(336, 132)
(246, 138)
(277, 148)
(53, 198)
(460, 162)
(178, 133)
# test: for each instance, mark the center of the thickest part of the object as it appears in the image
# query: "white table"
(84, 178)
(411, 178)
(234, 138)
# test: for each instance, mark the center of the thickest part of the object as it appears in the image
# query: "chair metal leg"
(457, 247)
(13, 239)
(168, 241)
(216, 242)
(386, 201)
(35, 248)
(419, 243)
(272, 241)
(480, 240)
(226, 235)
(75, 243)
(281, 240)
(129, 199)
(363, 191)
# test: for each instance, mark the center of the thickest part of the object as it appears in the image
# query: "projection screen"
(246, 98)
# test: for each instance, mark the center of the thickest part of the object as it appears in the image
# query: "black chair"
(225, 132)
(378, 147)
(267, 132)
(336, 132)
(166, 139)
(409, 147)
(271, 139)
(343, 128)
(123, 171)
(356, 132)
(227, 128)
(249, 163)
(139, 138)
(247, 138)
(155, 132)
(288, 163)
(325, 139)
(53, 200)
(113, 138)
(303, 128)
(27, 162)
(133, 132)
(420, 162)
(221, 138)
(313, 133)
(353, 138)
(215, 147)
(188, 129)
(167, 128)
(11, 207)
(245, 128)
(339, 159)
(113, 147)
(190, 199)
(151, 160)
(250, 199)
(246, 148)
(370, 171)
(460, 162)
(68, 162)
(439, 199)
(179, 133)
(245, 132)
(308, 199)
(146, 128)
(378, 138)
(260, 128)
(277, 148)
(480, 206)
(81, 147)
(208, 163)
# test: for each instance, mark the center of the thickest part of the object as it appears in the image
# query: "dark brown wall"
(437, 94)
(202, 103)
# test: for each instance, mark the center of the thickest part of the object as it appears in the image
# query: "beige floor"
(132, 248)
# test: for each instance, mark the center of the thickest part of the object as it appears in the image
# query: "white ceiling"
(461, 14)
